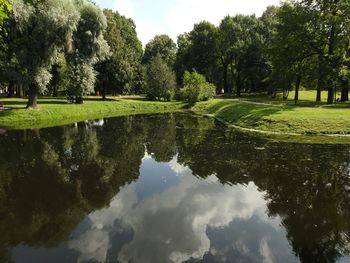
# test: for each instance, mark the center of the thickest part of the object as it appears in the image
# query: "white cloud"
(154, 17)
(188, 12)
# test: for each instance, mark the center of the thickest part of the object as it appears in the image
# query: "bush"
(160, 80)
(196, 88)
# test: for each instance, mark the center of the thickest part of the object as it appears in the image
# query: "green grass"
(269, 120)
(306, 98)
(56, 111)
(278, 119)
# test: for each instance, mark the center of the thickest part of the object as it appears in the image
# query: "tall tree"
(290, 57)
(197, 51)
(327, 33)
(118, 74)
(40, 30)
(162, 45)
(88, 47)
(239, 50)
(160, 79)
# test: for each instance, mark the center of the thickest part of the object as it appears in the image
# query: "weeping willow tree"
(38, 30)
(87, 48)
(41, 30)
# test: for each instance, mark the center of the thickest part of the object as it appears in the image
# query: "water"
(170, 188)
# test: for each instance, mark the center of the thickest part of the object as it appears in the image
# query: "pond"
(170, 188)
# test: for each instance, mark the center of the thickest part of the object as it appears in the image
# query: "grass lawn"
(269, 119)
(56, 111)
(306, 98)
(278, 119)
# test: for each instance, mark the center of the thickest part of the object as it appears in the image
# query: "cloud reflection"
(172, 225)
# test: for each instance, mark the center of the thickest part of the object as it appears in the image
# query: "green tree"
(326, 33)
(5, 8)
(87, 48)
(240, 50)
(162, 45)
(197, 51)
(40, 30)
(119, 73)
(196, 88)
(291, 58)
(160, 79)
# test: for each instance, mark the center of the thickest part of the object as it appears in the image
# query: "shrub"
(160, 80)
(196, 88)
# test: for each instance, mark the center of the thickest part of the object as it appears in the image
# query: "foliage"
(88, 47)
(38, 32)
(161, 45)
(5, 8)
(196, 51)
(160, 80)
(196, 88)
(119, 73)
(240, 50)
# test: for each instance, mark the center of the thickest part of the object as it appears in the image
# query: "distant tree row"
(71, 47)
(300, 43)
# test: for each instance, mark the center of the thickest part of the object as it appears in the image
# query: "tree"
(118, 74)
(162, 45)
(240, 50)
(87, 48)
(197, 51)
(39, 31)
(160, 79)
(5, 8)
(326, 32)
(290, 57)
(196, 88)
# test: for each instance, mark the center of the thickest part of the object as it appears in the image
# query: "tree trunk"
(344, 93)
(330, 98)
(104, 93)
(318, 96)
(11, 90)
(32, 97)
(319, 80)
(238, 85)
(226, 89)
(297, 87)
(79, 100)
(319, 92)
(20, 90)
(54, 92)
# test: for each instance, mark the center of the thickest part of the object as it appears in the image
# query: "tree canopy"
(74, 46)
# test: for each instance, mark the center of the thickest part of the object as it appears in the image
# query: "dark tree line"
(298, 44)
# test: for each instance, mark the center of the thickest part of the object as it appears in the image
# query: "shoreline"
(266, 120)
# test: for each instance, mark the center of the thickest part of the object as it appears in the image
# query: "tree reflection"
(52, 178)
(305, 187)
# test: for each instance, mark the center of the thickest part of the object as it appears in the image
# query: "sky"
(174, 17)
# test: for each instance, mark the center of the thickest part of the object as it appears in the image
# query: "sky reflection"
(188, 219)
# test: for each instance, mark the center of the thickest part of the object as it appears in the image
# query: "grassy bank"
(278, 119)
(307, 98)
(56, 111)
(267, 119)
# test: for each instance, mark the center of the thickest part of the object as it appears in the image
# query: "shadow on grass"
(244, 113)
(134, 98)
